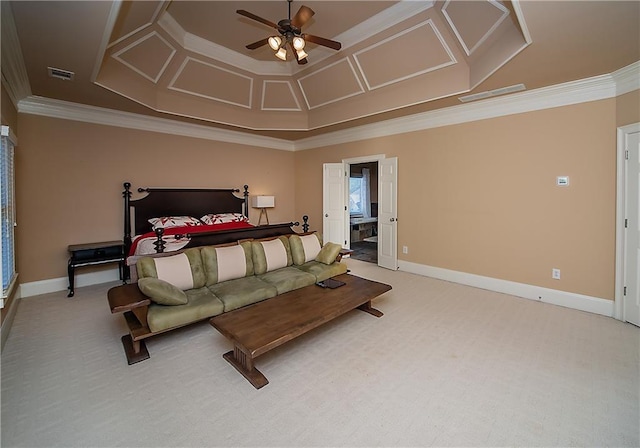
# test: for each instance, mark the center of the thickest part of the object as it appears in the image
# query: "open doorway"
(363, 211)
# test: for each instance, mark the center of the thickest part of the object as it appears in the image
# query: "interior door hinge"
(626, 223)
(624, 292)
(626, 154)
(345, 208)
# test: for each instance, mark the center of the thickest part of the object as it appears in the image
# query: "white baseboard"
(62, 283)
(563, 298)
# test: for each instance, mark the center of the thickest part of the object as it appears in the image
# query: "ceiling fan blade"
(322, 41)
(258, 44)
(249, 15)
(302, 16)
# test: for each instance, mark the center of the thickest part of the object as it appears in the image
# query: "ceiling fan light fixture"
(301, 54)
(281, 54)
(298, 43)
(274, 42)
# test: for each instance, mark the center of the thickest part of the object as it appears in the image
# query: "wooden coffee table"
(258, 328)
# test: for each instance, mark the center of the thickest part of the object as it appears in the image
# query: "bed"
(172, 219)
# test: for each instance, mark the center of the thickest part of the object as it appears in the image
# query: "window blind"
(7, 215)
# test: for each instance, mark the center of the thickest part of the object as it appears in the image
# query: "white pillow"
(275, 254)
(175, 270)
(231, 262)
(174, 221)
(311, 247)
(221, 218)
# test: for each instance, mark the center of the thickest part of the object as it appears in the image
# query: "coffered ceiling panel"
(206, 80)
(279, 96)
(329, 84)
(148, 56)
(416, 51)
(473, 21)
(135, 16)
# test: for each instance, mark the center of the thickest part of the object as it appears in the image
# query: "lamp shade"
(264, 201)
(298, 43)
(274, 42)
(282, 54)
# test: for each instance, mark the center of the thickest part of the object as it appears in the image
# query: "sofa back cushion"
(184, 270)
(227, 262)
(271, 254)
(304, 248)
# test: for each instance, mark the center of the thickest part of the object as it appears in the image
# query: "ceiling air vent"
(492, 93)
(60, 74)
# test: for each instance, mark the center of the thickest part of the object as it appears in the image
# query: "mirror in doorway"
(363, 211)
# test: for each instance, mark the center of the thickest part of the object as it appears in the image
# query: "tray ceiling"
(189, 59)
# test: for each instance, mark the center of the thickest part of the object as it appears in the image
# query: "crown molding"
(574, 92)
(627, 79)
(65, 110)
(596, 88)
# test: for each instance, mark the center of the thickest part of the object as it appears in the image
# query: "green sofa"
(199, 283)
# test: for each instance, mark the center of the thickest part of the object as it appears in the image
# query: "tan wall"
(69, 179)
(628, 108)
(481, 197)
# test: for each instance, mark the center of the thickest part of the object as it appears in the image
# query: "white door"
(388, 213)
(631, 303)
(334, 203)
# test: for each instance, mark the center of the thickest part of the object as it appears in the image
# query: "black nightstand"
(93, 254)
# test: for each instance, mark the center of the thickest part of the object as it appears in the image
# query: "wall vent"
(492, 93)
(60, 74)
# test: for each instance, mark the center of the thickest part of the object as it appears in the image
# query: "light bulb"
(298, 43)
(301, 54)
(274, 42)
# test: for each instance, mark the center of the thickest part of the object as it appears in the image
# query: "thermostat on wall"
(562, 181)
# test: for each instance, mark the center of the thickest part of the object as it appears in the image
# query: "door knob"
(392, 219)
(326, 215)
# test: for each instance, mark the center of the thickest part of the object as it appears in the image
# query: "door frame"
(622, 133)
(347, 164)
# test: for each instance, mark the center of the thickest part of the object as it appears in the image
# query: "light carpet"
(447, 365)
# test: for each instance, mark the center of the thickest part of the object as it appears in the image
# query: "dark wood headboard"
(195, 202)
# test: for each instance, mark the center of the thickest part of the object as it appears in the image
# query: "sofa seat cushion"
(323, 271)
(202, 303)
(242, 291)
(288, 279)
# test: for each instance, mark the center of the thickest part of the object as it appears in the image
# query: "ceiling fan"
(290, 34)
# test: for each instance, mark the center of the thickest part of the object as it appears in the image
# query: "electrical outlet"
(405, 250)
(555, 273)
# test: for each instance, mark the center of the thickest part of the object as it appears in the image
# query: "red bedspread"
(169, 233)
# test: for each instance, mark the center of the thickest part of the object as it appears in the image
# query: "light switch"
(562, 181)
